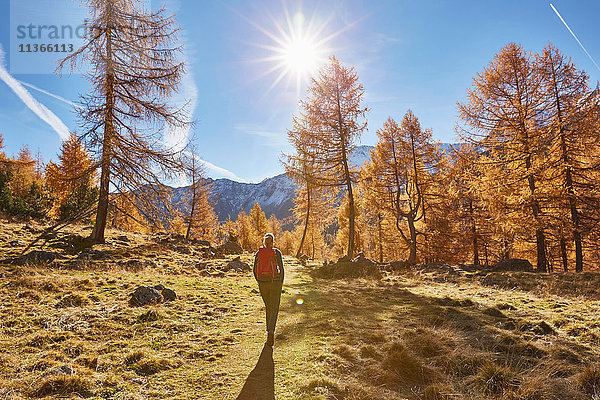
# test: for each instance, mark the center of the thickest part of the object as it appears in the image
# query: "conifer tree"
(274, 226)
(566, 108)
(323, 136)
(398, 174)
(244, 231)
(299, 169)
(258, 224)
(125, 216)
(134, 68)
(202, 219)
(73, 178)
(501, 116)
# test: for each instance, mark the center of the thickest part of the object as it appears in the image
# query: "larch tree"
(274, 227)
(567, 108)
(73, 179)
(244, 231)
(310, 200)
(202, 220)
(466, 206)
(257, 221)
(324, 133)
(502, 117)
(134, 69)
(399, 172)
(300, 169)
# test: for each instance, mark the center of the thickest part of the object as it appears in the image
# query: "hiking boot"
(270, 338)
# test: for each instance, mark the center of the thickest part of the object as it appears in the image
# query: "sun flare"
(297, 49)
(301, 56)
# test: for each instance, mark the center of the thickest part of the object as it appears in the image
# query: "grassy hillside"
(430, 332)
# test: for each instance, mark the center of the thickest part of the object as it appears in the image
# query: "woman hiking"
(269, 273)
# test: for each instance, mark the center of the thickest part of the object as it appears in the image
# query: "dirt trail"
(266, 379)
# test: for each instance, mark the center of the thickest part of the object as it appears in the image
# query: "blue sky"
(420, 55)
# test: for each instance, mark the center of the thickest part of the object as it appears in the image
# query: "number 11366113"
(46, 48)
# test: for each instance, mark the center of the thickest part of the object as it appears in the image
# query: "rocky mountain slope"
(274, 195)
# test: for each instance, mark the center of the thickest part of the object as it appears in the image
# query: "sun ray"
(298, 44)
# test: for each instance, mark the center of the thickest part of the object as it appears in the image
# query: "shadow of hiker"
(260, 384)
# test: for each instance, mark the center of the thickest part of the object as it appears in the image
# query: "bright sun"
(297, 50)
(301, 56)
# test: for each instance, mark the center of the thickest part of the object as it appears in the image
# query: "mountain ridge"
(275, 194)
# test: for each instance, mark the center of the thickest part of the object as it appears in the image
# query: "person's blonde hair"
(268, 237)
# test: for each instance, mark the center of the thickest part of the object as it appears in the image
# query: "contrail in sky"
(575, 36)
(38, 108)
(69, 102)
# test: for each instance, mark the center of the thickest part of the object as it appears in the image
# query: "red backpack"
(267, 265)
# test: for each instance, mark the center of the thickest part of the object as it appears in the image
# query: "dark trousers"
(271, 295)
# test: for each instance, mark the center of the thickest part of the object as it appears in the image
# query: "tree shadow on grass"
(385, 341)
(260, 384)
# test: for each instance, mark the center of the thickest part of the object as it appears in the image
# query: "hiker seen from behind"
(269, 273)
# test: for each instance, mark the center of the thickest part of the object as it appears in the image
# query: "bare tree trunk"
(299, 252)
(575, 221)
(542, 262)
(102, 213)
(563, 253)
(485, 253)
(412, 257)
(191, 217)
(474, 233)
(380, 237)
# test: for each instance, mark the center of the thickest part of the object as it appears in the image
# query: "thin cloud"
(38, 108)
(274, 138)
(575, 36)
(216, 170)
(186, 97)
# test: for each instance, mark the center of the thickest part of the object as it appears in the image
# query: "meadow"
(423, 332)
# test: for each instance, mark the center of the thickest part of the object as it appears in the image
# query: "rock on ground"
(512, 264)
(230, 248)
(145, 295)
(237, 265)
(36, 257)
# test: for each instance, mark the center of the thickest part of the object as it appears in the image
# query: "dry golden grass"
(423, 334)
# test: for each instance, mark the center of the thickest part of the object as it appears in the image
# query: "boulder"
(182, 249)
(144, 295)
(136, 265)
(168, 294)
(361, 259)
(237, 265)
(512, 264)
(36, 257)
(60, 370)
(344, 259)
(230, 248)
(399, 265)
